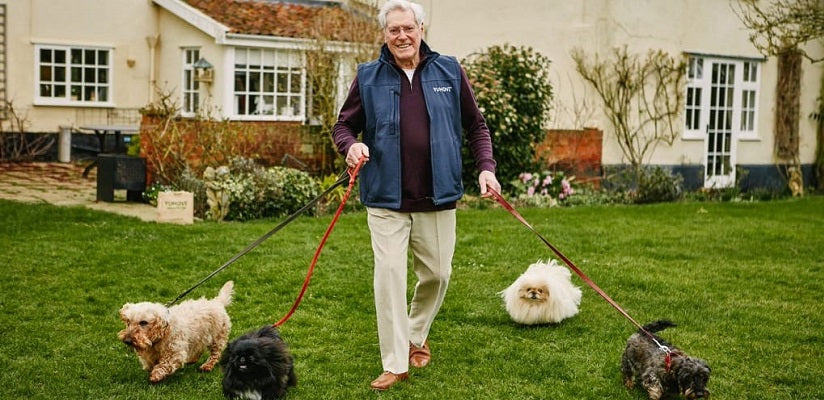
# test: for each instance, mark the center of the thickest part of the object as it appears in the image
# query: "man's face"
(403, 36)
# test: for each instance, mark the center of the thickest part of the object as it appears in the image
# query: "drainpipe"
(152, 41)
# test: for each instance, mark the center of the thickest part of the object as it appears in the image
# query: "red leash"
(572, 266)
(353, 173)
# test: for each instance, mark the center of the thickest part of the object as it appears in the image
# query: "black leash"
(343, 178)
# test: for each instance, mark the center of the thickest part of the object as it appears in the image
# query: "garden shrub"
(513, 90)
(258, 192)
(656, 185)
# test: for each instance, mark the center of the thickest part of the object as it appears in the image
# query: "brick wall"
(272, 143)
(576, 152)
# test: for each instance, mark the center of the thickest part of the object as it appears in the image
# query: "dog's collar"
(668, 358)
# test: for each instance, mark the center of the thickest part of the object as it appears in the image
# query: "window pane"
(45, 73)
(240, 82)
(254, 81)
(254, 57)
(282, 104)
(45, 90)
(76, 74)
(59, 91)
(283, 83)
(103, 93)
(88, 75)
(103, 75)
(45, 55)
(240, 57)
(268, 105)
(60, 56)
(240, 105)
(77, 56)
(60, 74)
(90, 57)
(269, 82)
(295, 83)
(102, 57)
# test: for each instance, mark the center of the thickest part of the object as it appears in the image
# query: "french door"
(721, 139)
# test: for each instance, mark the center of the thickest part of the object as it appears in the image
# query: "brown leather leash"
(497, 196)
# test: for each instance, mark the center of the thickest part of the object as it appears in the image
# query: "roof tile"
(270, 18)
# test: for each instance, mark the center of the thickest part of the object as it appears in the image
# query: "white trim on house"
(725, 56)
(269, 42)
(196, 18)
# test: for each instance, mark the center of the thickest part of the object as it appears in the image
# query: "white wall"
(555, 27)
(119, 24)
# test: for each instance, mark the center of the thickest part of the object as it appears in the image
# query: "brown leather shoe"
(387, 379)
(419, 356)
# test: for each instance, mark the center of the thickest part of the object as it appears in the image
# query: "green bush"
(656, 185)
(258, 192)
(512, 88)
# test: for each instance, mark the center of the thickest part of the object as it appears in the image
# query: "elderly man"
(411, 105)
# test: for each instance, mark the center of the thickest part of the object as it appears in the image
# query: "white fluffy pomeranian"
(543, 294)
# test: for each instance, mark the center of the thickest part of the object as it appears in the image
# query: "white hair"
(404, 5)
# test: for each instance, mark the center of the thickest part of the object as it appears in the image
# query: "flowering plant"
(544, 188)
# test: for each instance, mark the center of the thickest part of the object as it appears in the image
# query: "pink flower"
(525, 177)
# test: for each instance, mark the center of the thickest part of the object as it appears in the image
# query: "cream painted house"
(707, 31)
(75, 62)
(65, 60)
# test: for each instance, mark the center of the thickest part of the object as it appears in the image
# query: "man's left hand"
(486, 181)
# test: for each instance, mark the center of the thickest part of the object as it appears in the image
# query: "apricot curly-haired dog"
(167, 338)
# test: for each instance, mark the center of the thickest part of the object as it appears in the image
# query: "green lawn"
(742, 280)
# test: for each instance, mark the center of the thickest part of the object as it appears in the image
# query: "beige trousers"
(431, 238)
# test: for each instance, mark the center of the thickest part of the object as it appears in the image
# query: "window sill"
(78, 104)
(267, 118)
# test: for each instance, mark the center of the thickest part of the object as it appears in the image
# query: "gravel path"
(63, 184)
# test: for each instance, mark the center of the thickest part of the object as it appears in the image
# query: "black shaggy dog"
(644, 362)
(257, 365)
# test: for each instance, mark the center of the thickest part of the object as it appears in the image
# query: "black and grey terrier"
(257, 365)
(664, 375)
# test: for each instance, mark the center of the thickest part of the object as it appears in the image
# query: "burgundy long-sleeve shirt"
(416, 175)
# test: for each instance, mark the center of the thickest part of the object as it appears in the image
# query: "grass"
(742, 280)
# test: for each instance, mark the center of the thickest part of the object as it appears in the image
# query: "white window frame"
(698, 78)
(68, 77)
(268, 85)
(749, 93)
(693, 99)
(190, 86)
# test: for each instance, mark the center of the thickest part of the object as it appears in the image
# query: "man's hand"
(486, 181)
(356, 151)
